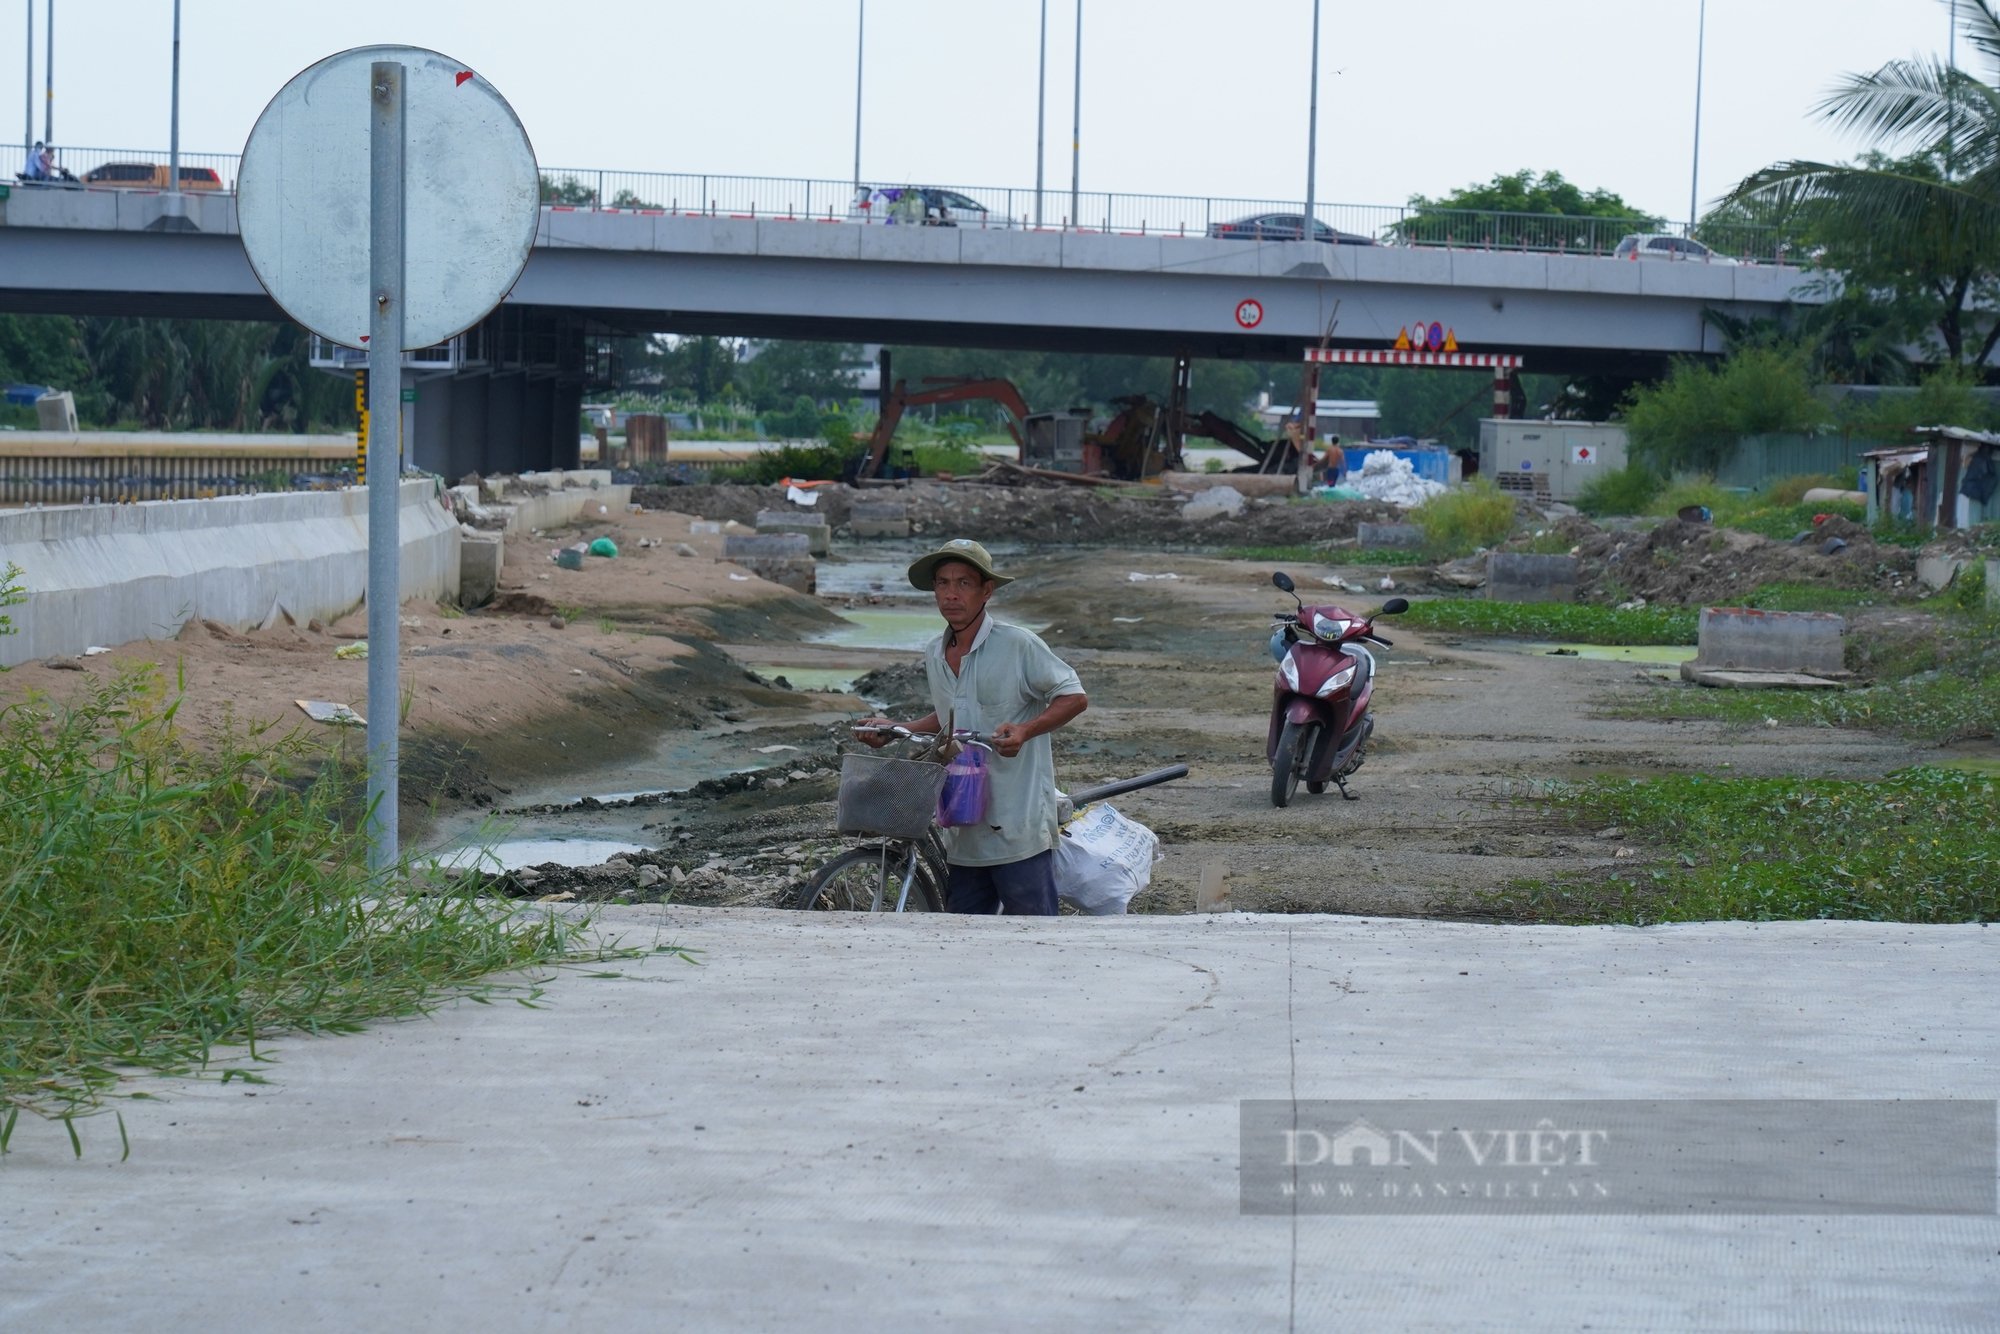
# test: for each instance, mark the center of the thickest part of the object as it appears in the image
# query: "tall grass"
(1457, 522)
(159, 899)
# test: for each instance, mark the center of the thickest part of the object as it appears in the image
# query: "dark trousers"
(1026, 888)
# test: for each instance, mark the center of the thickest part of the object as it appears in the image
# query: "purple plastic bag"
(963, 800)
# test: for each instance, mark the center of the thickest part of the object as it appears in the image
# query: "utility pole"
(49, 75)
(1041, 112)
(1076, 125)
(1310, 232)
(1694, 172)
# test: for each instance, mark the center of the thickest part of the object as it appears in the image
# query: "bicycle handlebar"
(961, 734)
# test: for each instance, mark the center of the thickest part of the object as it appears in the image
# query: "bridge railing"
(823, 200)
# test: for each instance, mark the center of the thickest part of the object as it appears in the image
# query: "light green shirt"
(1008, 676)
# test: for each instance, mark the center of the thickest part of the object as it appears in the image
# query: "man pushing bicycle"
(999, 679)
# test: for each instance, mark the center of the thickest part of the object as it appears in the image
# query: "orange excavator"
(899, 398)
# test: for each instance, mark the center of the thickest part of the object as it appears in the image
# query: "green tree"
(568, 190)
(1547, 212)
(1947, 396)
(781, 370)
(1692, 420)
(1922, 224)
(42, 349)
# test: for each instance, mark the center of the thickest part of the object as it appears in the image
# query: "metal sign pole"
(385, 472)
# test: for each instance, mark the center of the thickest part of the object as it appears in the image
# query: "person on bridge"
(38, 163)
(1002, 680)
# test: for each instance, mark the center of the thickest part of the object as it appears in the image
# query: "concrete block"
(1937, 571)
(1512, 576)
(56, 412)
(879, 518)
(801, 575)
(1389, 535)
(768, 546)
(479, 558)
(1745, 639)
(812, 526)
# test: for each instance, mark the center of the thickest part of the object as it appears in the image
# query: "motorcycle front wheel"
(1295, 748)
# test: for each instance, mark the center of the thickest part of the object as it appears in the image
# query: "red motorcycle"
(1320, 722)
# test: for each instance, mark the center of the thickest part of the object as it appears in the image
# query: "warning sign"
(1582, 454)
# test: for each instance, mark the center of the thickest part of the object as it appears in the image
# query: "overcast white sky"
(1195, 97)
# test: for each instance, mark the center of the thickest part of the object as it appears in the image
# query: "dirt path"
(1178, 670)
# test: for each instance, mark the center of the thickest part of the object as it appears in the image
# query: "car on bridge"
(150, 176)
(915, 205)
(1281, 227)
(1658, 245)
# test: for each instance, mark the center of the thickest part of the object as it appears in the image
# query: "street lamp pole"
(1076, 125)
(1312, 133)
(28, 86)
(49, 75)
(860, 41)
(1694, 171)
(1041, 112)
(174, 126)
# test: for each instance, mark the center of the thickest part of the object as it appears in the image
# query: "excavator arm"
(900, 397)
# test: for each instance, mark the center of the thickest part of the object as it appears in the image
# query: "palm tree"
(1927, 216)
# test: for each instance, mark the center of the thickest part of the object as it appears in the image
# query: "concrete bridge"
(618, 271)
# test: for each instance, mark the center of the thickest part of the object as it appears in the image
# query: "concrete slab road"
(843, 1123)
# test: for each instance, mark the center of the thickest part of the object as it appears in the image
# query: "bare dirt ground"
(1185, 676)
(565, 670)
(572, 673)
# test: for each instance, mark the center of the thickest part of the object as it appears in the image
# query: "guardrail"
(823, 200)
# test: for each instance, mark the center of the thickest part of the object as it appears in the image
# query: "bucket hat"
(923, 569)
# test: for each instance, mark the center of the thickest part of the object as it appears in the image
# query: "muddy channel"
(736, 808)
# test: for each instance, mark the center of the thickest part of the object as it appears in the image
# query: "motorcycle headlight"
(1328, 628)
(1289, 669)
(1335, 682)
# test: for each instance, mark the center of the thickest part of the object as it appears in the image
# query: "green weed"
(1577, 623)
(1922, 845)
(158, 900)
(1310, 555)
(1937, 705)
(1627, 490)
(1476, 515)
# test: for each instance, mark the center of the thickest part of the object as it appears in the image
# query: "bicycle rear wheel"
(852, 881)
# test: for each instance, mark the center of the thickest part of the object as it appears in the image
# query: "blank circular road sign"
(472, 196)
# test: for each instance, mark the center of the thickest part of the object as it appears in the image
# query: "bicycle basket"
(886, 796)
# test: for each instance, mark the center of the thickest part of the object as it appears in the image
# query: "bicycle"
(866, 878)
(910, 873)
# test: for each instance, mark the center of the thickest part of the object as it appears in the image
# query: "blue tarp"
(25, 394)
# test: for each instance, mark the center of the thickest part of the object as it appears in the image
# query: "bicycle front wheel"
(853, 881)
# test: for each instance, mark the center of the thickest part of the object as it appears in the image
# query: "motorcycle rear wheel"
(1295, 748)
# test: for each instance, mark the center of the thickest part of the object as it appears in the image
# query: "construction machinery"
(900, 398)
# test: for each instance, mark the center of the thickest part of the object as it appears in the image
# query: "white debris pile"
(1383, 476)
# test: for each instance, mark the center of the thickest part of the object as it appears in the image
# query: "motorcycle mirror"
(1283, 580)
(1394, 605)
